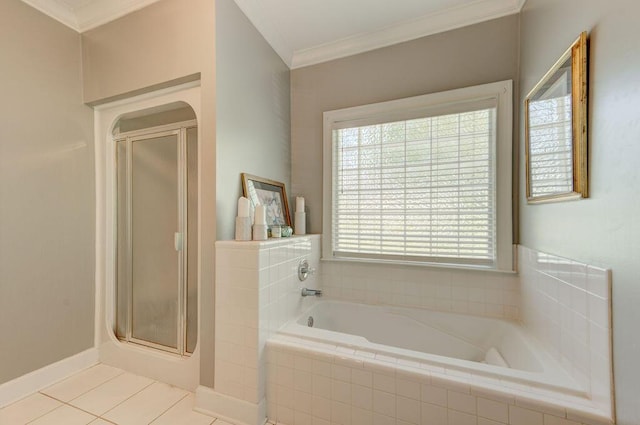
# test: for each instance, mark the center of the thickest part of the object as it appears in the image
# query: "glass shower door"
(153, 286)
(154, 224)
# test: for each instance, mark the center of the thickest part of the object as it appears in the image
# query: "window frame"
(429, 105)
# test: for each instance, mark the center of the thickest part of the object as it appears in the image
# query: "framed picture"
(269, 193)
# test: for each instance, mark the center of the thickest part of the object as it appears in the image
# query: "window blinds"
(419, 189)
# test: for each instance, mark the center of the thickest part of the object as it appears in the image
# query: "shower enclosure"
(156, 233)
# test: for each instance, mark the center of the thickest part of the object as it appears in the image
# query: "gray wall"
(46, 194)
(253, 124)
(478, 54)
(166, 42)
(604, 229)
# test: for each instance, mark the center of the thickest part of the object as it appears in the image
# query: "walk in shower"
(156, 161)
(149, 227)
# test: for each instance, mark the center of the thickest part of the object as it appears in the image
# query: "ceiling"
(82, 15)
(306, 32)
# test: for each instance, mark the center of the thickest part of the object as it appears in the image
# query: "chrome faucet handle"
(304, 270)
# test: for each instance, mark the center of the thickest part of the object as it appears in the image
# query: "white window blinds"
(417, 189)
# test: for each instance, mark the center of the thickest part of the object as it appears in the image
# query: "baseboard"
(229, 409)
(182, 372)
(38, 379)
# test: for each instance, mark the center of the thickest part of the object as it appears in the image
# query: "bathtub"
(455, 344)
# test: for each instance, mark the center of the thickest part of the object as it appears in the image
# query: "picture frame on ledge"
(270, 193)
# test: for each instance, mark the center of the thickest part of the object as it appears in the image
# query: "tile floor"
(105, 395)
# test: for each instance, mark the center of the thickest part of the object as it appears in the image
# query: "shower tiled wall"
(567, 306)
(482, 293)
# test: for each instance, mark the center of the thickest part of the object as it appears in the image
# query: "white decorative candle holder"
(259, 232)
(243, 229)
(300, 223)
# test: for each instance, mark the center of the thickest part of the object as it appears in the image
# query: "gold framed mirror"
(556, 130)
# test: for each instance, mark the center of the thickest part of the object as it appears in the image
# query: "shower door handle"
(178, 240)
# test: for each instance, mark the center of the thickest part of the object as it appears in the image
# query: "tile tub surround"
(567, 306)
(477, 292)
(577, 295)
(315, 383)
(257, 291)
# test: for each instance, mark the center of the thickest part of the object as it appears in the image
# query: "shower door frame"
(178, 129)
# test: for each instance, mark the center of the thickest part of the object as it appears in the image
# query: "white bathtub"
(459, 344)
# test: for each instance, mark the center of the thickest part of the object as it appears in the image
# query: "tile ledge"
(269, 243)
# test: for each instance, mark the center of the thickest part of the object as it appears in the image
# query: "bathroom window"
(424, 179)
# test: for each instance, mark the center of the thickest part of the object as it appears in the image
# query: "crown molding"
(449, 19)
(59, 11)
(269, 29)
(97, 13)
(91, 15)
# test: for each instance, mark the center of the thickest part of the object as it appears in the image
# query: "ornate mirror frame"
(556, 130)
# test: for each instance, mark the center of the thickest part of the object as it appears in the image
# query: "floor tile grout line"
(101, 416)
(106, 420)
(96, 416)
(35, 419)
(169, 408)
(82, 410)
(73, 407)
(122, 372)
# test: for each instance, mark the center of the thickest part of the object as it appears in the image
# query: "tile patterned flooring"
(105, 395)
